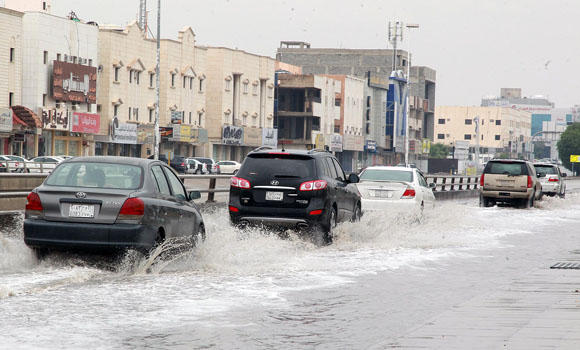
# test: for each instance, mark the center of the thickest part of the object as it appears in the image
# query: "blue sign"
(371, 146)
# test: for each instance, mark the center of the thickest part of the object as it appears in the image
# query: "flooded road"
(250, 289)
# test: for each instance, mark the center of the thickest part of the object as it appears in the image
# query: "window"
(90, 62)
(189, 117)
(441, 121)
(176, 186)
(482, 121)
(184, 81)
(117, 74)
(74, 59)
(130, 76)
(481, 137)
(467, 137)
(497, 137)
(228, 85)
(10, 99)
(468, 121)
(116, 110)
(254, 89)
(422, 180)
(89, 107)
(129, 113)
(44, 5)
(339, 170)
(161, 181)
(150, 115)
(136, 113)
(45, 57)
(199, 115)
(190, 83)
(331, 169)
(246, 88)
(172, 79)
(200, 85)
(440, 136)
(96, 175)
(151, 76)
(137, 74)
(58, 57)
(12, 54)
(270, 91)
(44, 99)
(498, 122)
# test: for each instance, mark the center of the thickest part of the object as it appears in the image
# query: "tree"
(439, 150)
(569, 144)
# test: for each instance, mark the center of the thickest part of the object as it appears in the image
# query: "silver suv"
(509, 181)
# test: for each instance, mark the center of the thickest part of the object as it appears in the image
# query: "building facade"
(11, 73)
(501, 129)
(240, 102)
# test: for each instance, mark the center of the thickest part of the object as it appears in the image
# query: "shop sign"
(252, 136)
(74, 82)
(185, 134)
(123, 132)
(426, 146)
(87, 123)
(232, 135)
(319, 141)
(371, 146)
(55, 119)
(18, 138)
(353, 142)
(176, 117)
(270, 137)
(166, 132)
(5, 120)
(336, 143)
(199, 135)
(145, 134)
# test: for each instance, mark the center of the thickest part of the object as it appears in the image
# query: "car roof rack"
(261, 148)
(318, 150)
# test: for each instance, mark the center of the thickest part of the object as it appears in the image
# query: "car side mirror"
(353, 178)
(193, 195)
(432, 185)
(564, 174)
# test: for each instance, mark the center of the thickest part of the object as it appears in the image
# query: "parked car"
(212, 166)
(11, 164)
(228, 167)
(394, 187)
(110, 203)
(551, 179)
(45, 164)
(509, 181)
(194, 166)
(23, 164)
(295, 189)
(176, 162)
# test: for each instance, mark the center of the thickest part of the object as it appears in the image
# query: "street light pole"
(408, 26)
(157, 83)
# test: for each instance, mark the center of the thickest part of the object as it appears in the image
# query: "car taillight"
(481, 180)
(182, 164)
(132, 209)
(530, 183)
(409, 193)
(316, 212)
(239, 182)
(33, 202)
(233, 209)
(553, 179)
(315, 185)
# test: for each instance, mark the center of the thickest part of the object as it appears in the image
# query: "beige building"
(10, 73)
(126, 93)
(502, 129)
(240, 102)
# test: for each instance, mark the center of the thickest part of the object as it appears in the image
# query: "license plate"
(274, 196)
(505, 194)
(81, 211)
(384, 194)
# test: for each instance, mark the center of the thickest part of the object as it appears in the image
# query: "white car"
(194, 166)
(394, 187)
(210, 163)
(551, 179)
(228, 167)
(14, 164)
(45, 164)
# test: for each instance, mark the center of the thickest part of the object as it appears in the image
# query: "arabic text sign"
(55, 119)
(86, 123)
(124, 133)
(574, 158)
(336, 143)
(74, 82)
(5, 120)
(232, 135)
(270, 137)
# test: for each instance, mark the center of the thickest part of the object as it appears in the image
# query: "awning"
(17, 120)
(25, 116)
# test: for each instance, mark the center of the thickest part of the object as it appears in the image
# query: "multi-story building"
(308, 109)
(350, 124)
(28, 5)
(375, 123)
(422, 111)
(127, 82)
(501, 129)
(240, 102)
(374, 62)
(11, 73)
(59, 75)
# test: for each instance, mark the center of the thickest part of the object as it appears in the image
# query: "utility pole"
(395, 34)
(476, 120)
(157, 83)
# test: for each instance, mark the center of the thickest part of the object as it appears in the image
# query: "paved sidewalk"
(540, 310)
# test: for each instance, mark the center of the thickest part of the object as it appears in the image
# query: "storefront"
(351, 156)
(231, 145)
(252, 140)
(26, 139)
(5, 130)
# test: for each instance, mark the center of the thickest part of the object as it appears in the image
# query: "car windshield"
(96, 175)
(277, 166)
(506, 168)
(544, 170)
(386, 175)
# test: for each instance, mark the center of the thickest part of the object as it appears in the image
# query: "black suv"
(177, 162)
(295, 189)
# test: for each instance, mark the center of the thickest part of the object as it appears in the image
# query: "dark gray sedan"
(110, 202)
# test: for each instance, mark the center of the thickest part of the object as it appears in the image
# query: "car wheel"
(235, 172)
(199, 236)
(40, 253)
(562, 195)
(325, 234)
(541, 196)
(357, 213)
(484, 202)
(529, 203)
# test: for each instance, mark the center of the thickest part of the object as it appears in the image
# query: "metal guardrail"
(12, 166)
(454, 182)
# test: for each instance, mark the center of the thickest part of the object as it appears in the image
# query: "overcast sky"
(476, 46)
